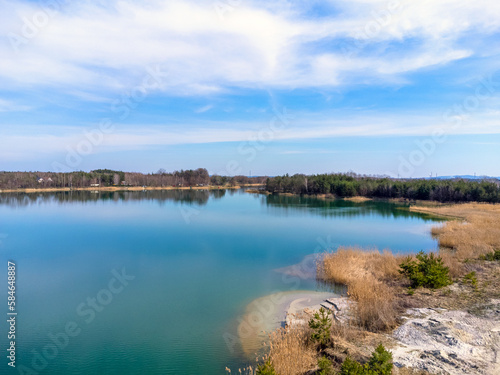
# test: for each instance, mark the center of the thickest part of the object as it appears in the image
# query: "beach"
(265, 314)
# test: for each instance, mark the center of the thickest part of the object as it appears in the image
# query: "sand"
(265, 314)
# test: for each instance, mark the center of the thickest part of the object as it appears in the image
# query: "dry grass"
(366, 274)
(477, 232)
(375, 309)
(289, 351)
(408, 371)
(351, 263)
(373, 281)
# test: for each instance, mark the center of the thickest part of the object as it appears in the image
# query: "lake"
(154, 282)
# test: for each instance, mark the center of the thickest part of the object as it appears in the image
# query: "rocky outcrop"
(451, 342)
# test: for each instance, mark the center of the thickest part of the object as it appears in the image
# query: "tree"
(161, 172)
(427, 271)
(381, 361)
(321, 325)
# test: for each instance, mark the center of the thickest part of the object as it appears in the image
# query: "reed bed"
(476, 233)
(366, 275)
(373, 281)
(290, 352)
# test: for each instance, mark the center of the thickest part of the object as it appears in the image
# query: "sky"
(398, 88)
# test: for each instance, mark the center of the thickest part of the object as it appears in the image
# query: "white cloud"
(9, 106)
(93, 46)
(204, 109)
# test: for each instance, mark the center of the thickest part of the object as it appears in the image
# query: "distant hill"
(464, 177)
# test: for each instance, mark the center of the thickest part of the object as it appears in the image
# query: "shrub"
(325, 366)
(321, 325)
(266, 369)
(427, 271)
(351, 367)
(471, 279)
(380, 363)
(491, 256)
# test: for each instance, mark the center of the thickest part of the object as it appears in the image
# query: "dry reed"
(478, 233)
(289, 351)
(365, 273)
(369, 276)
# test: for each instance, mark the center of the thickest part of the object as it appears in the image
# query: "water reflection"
(283, 205)
(196, 197)
(280, 205)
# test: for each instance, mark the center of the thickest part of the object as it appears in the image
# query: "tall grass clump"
(349, 263)
(366, 274)
(289, 352)
(375, 308)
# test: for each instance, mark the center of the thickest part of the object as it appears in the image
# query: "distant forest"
(341, 185)
(348, 185)
(107, 177)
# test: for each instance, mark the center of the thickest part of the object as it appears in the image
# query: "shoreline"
(125, 188)
(268, 313)
(464, 312)
(362, 199)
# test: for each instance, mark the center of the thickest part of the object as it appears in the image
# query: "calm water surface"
(197, 258)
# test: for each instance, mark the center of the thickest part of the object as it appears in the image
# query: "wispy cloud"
(9, 106)
(27, 142)
(204, 108)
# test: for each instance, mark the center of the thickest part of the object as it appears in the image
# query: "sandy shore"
(122, 188)
(358, 199)
(267, 313)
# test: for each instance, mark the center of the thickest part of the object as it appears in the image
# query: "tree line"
(348, 185)
(108, 177)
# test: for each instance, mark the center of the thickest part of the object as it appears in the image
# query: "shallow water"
(197, 259)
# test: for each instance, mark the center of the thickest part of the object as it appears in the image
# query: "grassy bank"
(380, 292)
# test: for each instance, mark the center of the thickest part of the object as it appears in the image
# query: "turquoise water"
(196, 258)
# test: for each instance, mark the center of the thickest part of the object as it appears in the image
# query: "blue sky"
(237, 86)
